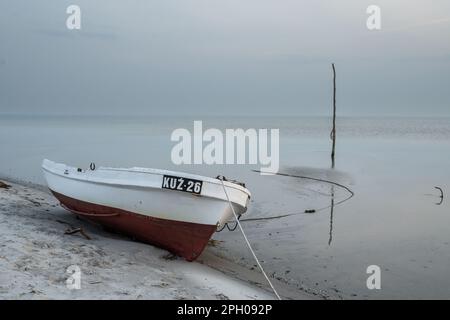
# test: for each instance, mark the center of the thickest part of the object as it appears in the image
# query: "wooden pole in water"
(333, 131)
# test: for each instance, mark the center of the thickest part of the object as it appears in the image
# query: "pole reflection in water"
(331, 216)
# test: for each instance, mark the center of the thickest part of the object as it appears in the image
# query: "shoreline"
(35, 253)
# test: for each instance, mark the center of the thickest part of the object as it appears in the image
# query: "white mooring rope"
(248, 243)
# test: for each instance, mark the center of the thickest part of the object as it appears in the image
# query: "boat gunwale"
(210, 180)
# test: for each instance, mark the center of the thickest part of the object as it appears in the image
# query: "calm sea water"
(392, 165)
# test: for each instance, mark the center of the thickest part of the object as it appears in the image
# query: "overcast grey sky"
(224, 57)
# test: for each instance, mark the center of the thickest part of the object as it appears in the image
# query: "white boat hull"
(133, 201)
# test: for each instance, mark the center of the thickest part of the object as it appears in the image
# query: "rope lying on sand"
(248, 243)
(308, 178)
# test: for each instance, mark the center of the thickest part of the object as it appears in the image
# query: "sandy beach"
(35, 253)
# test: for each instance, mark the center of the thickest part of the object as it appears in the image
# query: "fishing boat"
(172, 210)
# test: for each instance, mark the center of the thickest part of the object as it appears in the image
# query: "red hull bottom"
(182, 238)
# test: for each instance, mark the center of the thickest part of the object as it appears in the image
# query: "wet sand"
(281, 210)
